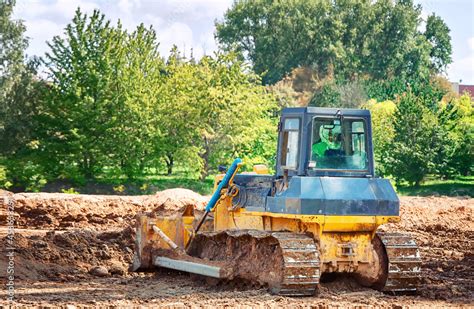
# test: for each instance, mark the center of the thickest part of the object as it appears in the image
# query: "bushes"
(383, 131)
(456, 122)
(412, 141)
(113, 107)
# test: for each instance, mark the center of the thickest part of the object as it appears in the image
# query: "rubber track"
(404, 262)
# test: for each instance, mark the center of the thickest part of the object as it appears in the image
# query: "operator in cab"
(329, 143)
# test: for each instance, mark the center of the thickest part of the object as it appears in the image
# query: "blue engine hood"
(335, 196)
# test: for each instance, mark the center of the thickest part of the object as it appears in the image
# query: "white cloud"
(126, 6)
(470, 43)
(178, 34)
(464, 68)
(39, 31)
(208, 44)
(186, 23)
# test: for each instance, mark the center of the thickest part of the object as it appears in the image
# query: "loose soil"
(62, 240)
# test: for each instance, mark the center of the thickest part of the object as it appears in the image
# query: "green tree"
(437, 33)
(415, 141)
(103, 113)
(383, 131)
(456, 119)
(234, 113)
(178, 112)
(431, 89)
(21, 94)
(346, 40)
(138, 88)
(212, 111)
(344, 95)
(15, 77)
(12, 52)
(82, 98)
(326, 96)
(19, 110)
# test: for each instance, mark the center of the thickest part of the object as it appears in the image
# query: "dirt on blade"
(75, 250)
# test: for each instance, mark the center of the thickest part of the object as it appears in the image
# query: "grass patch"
(149, 184)
(460, 186)
(159, 183)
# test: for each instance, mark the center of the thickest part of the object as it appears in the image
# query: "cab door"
(289, 143)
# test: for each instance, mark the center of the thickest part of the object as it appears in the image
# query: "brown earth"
(59, 210)
(75, 249)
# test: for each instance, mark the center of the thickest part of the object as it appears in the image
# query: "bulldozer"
(318, 214)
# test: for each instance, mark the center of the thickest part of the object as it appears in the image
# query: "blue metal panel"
(311, 188)
(336, 196)
(383, 189)
(338, 188)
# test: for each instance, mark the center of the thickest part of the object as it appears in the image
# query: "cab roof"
(326, 111)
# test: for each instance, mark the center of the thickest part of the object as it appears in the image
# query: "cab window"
(339, 145)
(290, 143)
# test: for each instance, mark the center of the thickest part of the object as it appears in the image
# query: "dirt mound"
(173, 201)
(5, 193)
(70, 255)
(437, 213)
(65, 236)
(59, 210)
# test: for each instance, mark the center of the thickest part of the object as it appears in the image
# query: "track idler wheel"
(374, 275)
(396, 266)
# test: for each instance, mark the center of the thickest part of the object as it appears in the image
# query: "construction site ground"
(75, 250)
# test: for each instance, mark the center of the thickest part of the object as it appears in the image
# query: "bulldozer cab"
(317, 141)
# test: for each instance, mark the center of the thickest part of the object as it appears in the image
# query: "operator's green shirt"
(319, 149)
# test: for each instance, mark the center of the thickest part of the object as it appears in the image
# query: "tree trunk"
(86, 166)
(205, 158)
(169, 163)
(204, 171)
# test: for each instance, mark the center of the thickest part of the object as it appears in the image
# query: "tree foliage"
(456, 122)
(344, 39)
(214, 110)
(412, 139)
(113, 106)
(12, 51)
(415, 141)
(437, 34)
(343, 95)
(138, 91)
(383, 131)
(17, 101)
(82, 99)
(234, 113)
(21, 97)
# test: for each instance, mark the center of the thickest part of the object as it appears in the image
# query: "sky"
(190, 24)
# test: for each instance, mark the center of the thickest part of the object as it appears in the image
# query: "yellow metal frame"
(344, 241)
